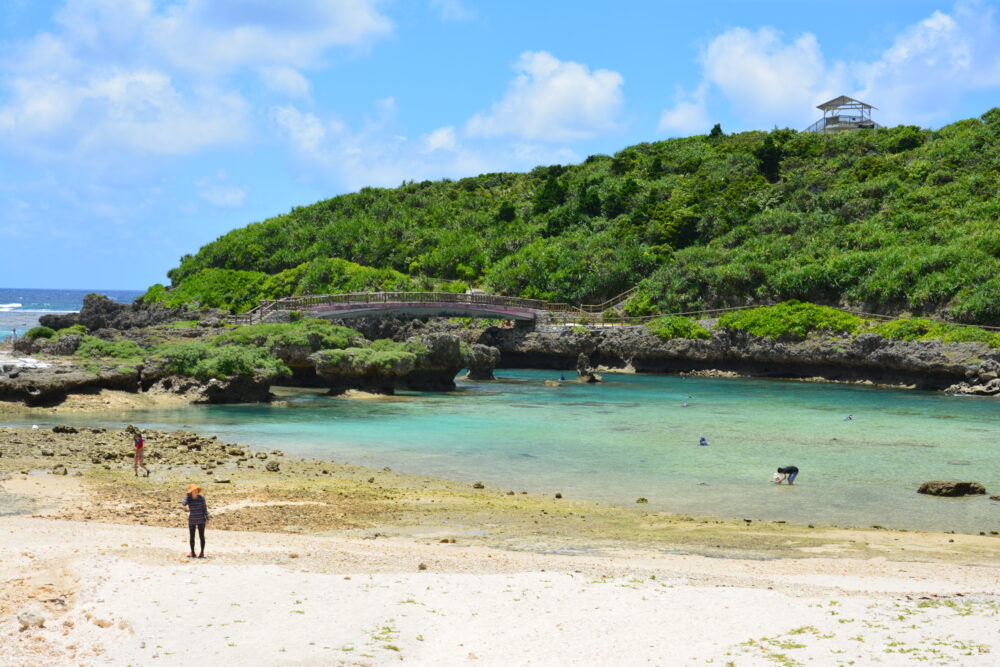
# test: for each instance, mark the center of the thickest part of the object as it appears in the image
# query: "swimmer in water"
(849, 418)
(703, 442)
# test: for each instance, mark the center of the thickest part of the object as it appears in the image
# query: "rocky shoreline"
(433, 352)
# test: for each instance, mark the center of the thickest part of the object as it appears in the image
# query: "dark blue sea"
(20, 308)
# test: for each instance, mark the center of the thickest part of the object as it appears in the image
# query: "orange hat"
(194, 489)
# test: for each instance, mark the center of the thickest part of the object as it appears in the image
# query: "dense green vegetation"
(312, 333)
(238, 290)
(791, 320)
(918, 328)
(208, 361)
(675, 326)
(92, 347)
(891, 220)
(35, 333)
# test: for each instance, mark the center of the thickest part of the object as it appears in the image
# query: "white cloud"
(155, 78)
(138, 110)
(285, 80)
(305, 130)
(441, 139)
(219, 36)
(377, 155)
(218, 191)
(930, 65)
(452, 10)
(769, 79)
(554, 101)
(688, 116)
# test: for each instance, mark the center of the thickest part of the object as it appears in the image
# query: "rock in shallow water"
(951, 489)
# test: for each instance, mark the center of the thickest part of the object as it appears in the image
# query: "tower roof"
(841, 101)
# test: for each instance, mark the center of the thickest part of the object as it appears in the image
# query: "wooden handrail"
(555, 312)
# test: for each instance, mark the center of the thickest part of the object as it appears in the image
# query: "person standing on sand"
(787, 472)
(197, 517)
(139, 460)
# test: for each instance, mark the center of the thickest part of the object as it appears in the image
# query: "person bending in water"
(703, 442)
(197, 517)
(787, 472)
(139, 460)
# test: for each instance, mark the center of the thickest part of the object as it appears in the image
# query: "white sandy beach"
(126, 595)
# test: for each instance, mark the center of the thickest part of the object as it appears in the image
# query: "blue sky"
(135, 131)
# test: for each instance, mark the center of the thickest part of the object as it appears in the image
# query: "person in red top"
(139, 461)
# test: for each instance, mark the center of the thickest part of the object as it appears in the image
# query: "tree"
(769, 159)
(507, 212)
(552, 194)
(716, 132)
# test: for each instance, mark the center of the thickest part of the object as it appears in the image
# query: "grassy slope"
(900, 219)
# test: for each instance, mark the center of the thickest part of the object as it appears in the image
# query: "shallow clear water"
(631, 437)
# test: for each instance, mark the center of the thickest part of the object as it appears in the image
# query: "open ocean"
(20, 308)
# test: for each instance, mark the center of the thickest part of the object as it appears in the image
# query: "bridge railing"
(554, 313)
(292, 303)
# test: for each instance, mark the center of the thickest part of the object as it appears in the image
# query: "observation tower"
(844, 113)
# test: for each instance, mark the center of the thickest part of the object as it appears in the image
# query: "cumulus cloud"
(220, 36)
(552, 100)
(156, 78)
(688, 116)
(376, 154)
(138, 110)
(441, 139)
(305, 130)
(930, 65)
(771, 79)
(218, 191)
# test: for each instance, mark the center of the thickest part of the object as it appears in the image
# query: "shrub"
(389, 345)
(180, 358)
(362, 360)
(98, 348)
(791, 320)
(919, 328)
(315, 333)
(453, 286)
(73, 329)
(676, 326)
(194, 359)
(39, 332)
(232, 360)
(235, 291)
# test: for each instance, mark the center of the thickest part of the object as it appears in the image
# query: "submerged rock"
(952, 489)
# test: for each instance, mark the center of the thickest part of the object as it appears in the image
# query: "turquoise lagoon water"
(631, 437)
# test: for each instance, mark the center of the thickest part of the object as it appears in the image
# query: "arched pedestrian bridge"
(411, 305)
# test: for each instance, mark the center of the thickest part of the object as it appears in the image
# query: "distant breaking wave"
(9, 306)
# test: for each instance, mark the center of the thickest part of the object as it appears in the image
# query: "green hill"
(889, 220)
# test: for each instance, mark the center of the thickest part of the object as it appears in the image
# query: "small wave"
(9, 306)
